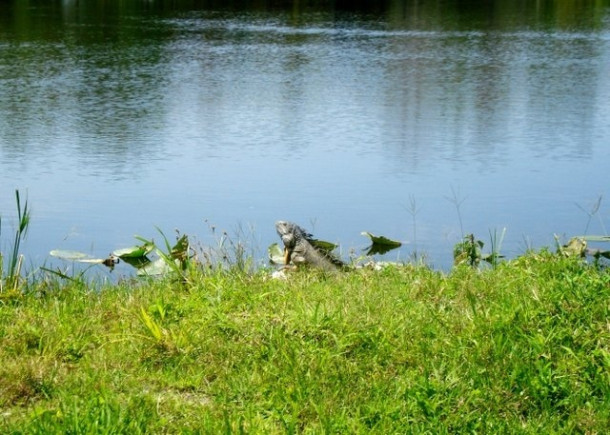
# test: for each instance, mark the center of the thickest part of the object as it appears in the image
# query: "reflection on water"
(415, 121)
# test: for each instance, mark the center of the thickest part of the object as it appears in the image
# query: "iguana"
(300, 248)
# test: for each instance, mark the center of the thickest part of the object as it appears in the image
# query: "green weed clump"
(10, 276)
(521, 348)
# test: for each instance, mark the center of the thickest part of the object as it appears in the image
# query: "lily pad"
(380, 244)
(381, 240)
(137, 262)
(134, 251)
(81, 257)
(69, 255)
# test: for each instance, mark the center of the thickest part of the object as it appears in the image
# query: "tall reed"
(9, 278)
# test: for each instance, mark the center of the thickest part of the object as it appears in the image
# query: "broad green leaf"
(381, 240)
(137, 262)
(375, 249)
(134, 251)
(380, 244)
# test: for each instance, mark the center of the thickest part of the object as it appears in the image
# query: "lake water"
(419, 121)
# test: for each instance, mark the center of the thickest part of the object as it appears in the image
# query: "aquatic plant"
(380, 244)
(578, 246)
(469, 250)
(10, 277)
(175, 259)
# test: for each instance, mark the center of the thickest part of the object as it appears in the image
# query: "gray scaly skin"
(300, 249)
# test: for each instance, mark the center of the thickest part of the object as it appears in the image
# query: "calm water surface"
(416, 123)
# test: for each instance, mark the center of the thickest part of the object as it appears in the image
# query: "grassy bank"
(521, 348)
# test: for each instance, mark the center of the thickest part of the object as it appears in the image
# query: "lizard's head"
(290, 234)
(287, 232)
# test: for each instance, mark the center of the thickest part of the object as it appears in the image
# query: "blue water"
(421, 132)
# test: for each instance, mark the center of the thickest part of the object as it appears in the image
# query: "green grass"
(522, 348)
